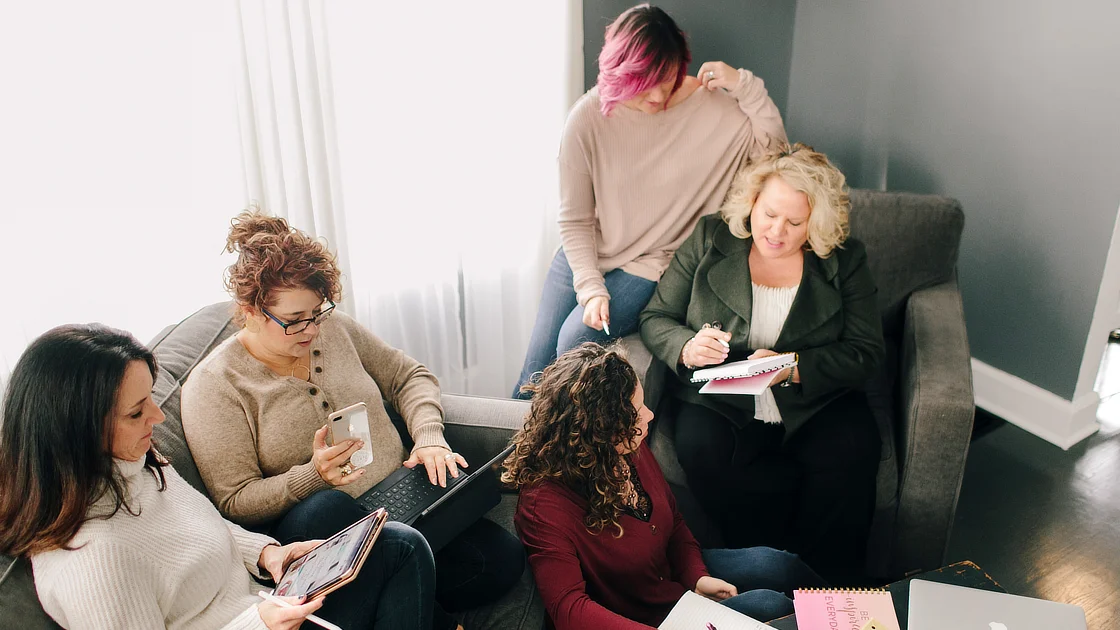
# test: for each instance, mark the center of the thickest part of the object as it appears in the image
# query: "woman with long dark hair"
(117, 539)
(606, 543)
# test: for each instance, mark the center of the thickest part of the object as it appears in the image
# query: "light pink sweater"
(633, 185)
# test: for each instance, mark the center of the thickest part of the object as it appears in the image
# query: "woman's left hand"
(780, 375)
(716, 74)
(715, 589)
(436, 459)
(275, 559)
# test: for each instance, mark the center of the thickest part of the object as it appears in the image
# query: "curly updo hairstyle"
(273, 256)
(581, 412)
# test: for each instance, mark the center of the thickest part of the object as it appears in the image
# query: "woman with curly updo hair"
(606, 543)
(255, 413)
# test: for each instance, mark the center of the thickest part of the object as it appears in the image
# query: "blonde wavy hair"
(807, 171)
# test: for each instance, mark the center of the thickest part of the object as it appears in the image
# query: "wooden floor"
(1046, 522)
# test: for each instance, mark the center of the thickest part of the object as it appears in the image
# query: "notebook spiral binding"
(728, 378)
(841, 591)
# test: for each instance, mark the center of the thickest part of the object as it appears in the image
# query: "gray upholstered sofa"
(923, 398)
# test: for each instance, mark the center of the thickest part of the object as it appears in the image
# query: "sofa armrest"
(937, 409)
(480, 427)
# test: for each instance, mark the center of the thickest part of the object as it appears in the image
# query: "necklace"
(298, 367)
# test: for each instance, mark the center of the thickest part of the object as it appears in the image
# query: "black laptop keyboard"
(410, 495)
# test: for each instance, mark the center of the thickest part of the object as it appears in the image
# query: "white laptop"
(935, 606)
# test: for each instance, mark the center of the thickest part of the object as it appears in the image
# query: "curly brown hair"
(581, 412)
(273, 256)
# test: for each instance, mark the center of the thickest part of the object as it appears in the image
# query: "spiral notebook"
(751, 376)
(844, 609)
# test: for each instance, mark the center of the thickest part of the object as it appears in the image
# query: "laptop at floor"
(440, 514)
(935, 606)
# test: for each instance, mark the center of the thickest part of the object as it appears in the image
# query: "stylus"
(312, 618)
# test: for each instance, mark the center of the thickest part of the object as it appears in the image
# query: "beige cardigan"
(251, 431)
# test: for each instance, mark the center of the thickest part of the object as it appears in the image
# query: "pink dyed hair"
(643, 47)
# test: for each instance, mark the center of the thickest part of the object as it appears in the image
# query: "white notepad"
(694, 612)
(752, 376)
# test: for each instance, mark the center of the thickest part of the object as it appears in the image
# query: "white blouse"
(769, 311)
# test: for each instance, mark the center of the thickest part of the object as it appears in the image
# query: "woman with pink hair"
(645, 153)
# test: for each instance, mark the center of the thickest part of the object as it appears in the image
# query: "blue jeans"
(764, 577)
(559, 326)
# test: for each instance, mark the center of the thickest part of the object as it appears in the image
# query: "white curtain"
(438, 123)
(118, 164)
(289, 146)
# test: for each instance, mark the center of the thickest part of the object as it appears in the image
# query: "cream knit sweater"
(251, 432)
(178, 564)
(633, 185)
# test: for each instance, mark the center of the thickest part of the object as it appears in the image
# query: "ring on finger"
(449, 456)
(711, 74)
(346, 469)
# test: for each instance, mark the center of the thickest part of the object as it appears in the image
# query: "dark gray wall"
(1012, 107)
(752, 34)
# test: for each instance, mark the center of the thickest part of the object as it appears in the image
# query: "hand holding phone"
(333, 462)
(352, 423)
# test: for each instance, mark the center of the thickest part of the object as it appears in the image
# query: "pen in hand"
(312, 618)
(717, 326)
(607, 328)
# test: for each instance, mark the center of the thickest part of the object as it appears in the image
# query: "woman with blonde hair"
(606, 543)
(775, 272)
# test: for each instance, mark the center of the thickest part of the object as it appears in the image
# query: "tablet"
(332, 563)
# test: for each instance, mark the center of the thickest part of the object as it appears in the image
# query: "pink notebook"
(843, 609)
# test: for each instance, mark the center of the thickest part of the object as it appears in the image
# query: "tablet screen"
(331, 561)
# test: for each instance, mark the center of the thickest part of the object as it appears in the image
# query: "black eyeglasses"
(300, 325)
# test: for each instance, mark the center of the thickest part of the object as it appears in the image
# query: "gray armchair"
(478, 427)
(922, 398)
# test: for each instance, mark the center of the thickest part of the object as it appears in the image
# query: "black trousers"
(476, 568)
(813, 494)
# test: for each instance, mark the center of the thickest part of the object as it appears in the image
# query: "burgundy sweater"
(597, 580)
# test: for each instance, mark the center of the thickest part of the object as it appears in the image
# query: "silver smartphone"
(353, 423)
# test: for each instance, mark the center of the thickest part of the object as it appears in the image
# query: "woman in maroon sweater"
(606, 544)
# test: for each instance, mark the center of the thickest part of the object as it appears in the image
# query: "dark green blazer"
(834, 324)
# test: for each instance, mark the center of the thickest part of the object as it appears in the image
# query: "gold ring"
(346, 469)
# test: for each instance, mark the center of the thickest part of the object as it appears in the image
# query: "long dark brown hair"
(55, 442)
(581, 412)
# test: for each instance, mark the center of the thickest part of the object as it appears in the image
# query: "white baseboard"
(1049, 416)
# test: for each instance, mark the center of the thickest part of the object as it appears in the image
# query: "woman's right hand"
(707, 347)
(597, 312)
(278, 617)
(329, 460)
